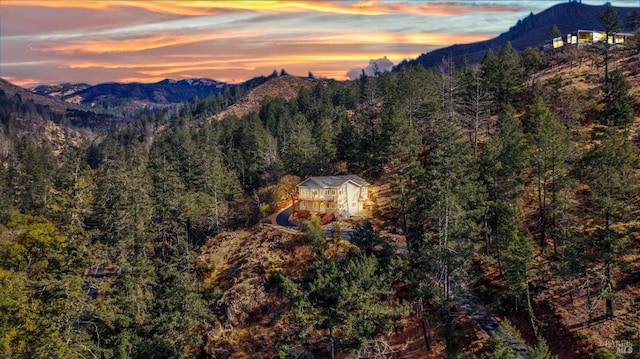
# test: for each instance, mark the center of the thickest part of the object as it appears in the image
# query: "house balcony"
(310, 197)
(316, 205)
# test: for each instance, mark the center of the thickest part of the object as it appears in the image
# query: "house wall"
(318, 200)
(345, 200)
(353, 199)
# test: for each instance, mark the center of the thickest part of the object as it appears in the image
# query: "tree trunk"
(532, 316)
(609, 290)
(333, 353)
(541, 205)
(423, 320)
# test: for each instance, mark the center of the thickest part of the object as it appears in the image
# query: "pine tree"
(503, 161)
(349, 301)
(474, 105)
(443, 218)
(549, 148)
(609, 19)
(610, 169)
(326, 151)
(501, 76)
(617, 102)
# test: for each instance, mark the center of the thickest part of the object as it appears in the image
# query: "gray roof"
(335, 181)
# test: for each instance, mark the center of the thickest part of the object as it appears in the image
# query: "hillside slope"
(532, 31)
(286, 87)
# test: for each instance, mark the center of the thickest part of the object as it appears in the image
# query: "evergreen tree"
(349, 302)
(554, 32)
(300, 149)
(610, 169)
(443, 220)
(474, 105)
(549, 147)
(617, 102)
(348, 144)
(326, 151)
(30, 175)
(501, 76)
(609, 19)
(503, 161)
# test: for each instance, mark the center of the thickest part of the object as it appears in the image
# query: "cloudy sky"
(53, 41)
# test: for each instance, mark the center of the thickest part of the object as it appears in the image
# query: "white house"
(342, 196)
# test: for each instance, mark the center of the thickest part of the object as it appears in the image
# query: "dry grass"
(286, 87)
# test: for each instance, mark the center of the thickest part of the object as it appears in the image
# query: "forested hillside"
(515, 182)
(532, 31)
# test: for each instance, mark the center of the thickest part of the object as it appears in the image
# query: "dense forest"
(490, 169)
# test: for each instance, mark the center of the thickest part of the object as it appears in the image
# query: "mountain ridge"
(165, 92)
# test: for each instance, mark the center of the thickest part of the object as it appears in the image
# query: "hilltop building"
(331, 197)
(582, 38)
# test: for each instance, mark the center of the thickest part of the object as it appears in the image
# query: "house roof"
(335, 181)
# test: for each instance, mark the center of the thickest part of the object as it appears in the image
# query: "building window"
(341, 206)
(353, 204)
(326, 192)
(333, 192)
(314, 193)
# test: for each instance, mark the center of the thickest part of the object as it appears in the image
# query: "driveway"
(282, 219)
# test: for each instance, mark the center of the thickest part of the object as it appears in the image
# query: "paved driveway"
(282, 219)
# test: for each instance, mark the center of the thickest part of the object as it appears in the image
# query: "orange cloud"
(101, 45)
(190, 8)
(21, 81)
(199, 8)
(326, 37)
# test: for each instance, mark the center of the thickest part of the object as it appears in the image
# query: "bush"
(313, 233)
(603, 353)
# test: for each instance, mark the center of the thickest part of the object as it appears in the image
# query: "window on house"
(326, 192)
(353, 204)
(322, 206)
(341, 206)
(314, 193)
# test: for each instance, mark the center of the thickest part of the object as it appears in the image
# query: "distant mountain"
(11, 90)
(132, 95)
(66, 91)
(28, 108)
(532, 31)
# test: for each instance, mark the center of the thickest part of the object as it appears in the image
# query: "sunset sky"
(45, 42)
